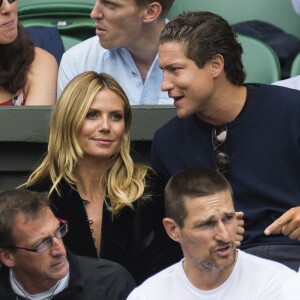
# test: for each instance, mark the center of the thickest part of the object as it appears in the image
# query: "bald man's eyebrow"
(207, 222)
(213, 220)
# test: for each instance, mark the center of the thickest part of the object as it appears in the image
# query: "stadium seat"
(277, 12)
(70, 17)
(47, 38)
(295, 69)
(69, 41)
(260, 61)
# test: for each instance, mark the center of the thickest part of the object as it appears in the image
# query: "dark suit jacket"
(89, 279)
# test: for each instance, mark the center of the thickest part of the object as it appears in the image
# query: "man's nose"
(96, 12)
(57, 245)
(167, 83)
(221, 232)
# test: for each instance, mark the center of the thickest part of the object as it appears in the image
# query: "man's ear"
(217, 65)
(7, 258)
(153, 11)
(172, 229)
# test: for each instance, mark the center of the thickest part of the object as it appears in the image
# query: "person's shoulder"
(154, 285)
(43, 186)
(290, 288)
(293, 83)
(102, 267)
(175, 125)
(280, 95)
(263, 265)
(87, 46)
(44, 58)
(162, 277)
(279, 90)
(168, 126)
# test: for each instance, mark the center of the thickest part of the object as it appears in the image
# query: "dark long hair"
(16, 59)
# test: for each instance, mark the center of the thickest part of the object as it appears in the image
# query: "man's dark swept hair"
(15, 62)
(192, 183)
(204, 35)
(14, 202)
(165, 5)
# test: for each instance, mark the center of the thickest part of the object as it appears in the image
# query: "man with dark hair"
(128, 32)
(200, 216)
(35, 263)
(249, 132)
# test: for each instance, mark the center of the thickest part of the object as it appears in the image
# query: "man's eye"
(228, 218)
(206, 224)
(175, 70)
(110, 5)
(41, 243)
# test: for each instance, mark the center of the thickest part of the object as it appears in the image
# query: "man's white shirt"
(90, 56)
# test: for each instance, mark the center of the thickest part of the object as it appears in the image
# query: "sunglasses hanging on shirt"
(221, 159)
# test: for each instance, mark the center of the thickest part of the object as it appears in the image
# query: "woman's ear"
(153, 12)
(172, 229)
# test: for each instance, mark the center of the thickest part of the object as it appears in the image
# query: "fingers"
(238, 239)
(240, 223)
(288, 224)
(240, 229)
(237, 244)
(295, 234)
(292, 228)
(239, 215)
(278, 224)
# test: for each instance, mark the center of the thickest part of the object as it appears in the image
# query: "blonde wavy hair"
(123, 181)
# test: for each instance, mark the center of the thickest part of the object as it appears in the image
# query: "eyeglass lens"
(219, 135)
(221, 159)
(48, 242)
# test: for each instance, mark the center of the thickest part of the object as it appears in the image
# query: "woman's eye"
(116, 117)
(91, 115)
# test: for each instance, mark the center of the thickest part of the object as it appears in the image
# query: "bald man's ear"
(172, 229)
(7, 258)
(153, 12)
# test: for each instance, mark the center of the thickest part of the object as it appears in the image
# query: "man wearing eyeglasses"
(35, 263)
(248, 132)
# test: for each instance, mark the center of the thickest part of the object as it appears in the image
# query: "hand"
(288, 224)
(240, 230)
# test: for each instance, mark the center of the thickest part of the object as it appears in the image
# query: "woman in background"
(92, 180)
(28, 74)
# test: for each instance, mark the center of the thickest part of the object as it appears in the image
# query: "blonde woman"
(91, 178)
